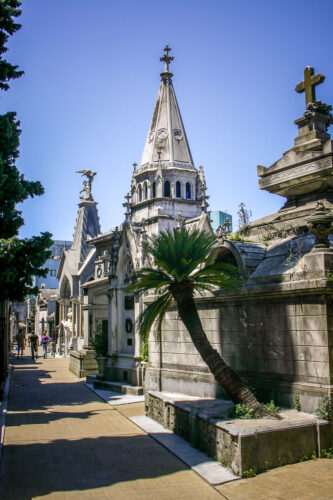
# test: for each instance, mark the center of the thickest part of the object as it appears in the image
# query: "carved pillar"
(110, 343)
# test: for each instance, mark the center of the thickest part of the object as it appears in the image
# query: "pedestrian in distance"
(20, 339)
(34, 342)
(45, 342)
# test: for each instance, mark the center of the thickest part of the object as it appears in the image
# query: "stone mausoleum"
(277, 330)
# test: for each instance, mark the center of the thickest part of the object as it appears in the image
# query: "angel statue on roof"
(86, 184)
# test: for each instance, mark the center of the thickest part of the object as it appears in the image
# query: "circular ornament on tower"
(162, 134)
(177, 134)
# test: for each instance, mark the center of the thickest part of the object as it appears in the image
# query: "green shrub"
(237, 237)
(271, 408)
(297, 402)
(240, 411)
(324, 411)
(144, 350)
(100, 341)
(327, 453)
(249, 472)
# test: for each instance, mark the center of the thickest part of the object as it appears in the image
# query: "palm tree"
(183, 270)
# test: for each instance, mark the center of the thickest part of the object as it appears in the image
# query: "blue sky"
(91, 80)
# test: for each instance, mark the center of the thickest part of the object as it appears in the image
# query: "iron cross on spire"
(308, 85)
(166, 58)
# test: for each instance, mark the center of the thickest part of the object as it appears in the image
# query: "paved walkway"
(63, 442)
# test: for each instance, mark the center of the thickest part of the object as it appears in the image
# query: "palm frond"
(180, 252)
(225, 276)
(147, 279)
(154, 311)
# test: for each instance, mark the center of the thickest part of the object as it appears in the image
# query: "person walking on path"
(20, 339)
(33, 342)
(45, 342)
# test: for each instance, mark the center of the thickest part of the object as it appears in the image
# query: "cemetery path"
(63, 442)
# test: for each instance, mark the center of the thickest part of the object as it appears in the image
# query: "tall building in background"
(52, 264)
(218, 218)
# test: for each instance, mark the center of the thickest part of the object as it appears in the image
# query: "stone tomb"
(242, 445)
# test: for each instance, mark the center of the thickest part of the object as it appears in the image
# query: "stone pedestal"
(83, 363)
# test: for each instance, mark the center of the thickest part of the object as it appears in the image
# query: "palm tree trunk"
(225, 376)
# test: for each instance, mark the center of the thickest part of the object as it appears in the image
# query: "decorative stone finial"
(134, 165)
(203, 197)
(227, 224)
(221, 232)
(320, 224)
(114, 253)
(127, 205)
(166, 59)
(309, 84)
(87, 196)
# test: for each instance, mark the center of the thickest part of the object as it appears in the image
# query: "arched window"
(140, 193)
(188, 191)
(178, 190)
(65, 288)
(167, 189)
(154, 189)
(145, 190)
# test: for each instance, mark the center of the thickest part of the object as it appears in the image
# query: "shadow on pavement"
(37, 418)
(35, 389)
(83, 464)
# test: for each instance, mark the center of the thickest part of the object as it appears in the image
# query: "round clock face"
(162, 134)
(177, 134)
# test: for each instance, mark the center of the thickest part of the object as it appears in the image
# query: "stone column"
(110, 296)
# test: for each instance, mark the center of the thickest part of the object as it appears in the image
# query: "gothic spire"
(167, 141)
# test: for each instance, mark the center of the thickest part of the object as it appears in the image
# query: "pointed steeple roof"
(167, 141)
(87, 222)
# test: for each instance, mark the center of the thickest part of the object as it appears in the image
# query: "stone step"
(111, 385)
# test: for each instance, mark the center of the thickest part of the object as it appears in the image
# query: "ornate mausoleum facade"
(277, 330)
(166, 191)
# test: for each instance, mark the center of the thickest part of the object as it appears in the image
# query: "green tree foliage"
(184, 270)
(20, 260)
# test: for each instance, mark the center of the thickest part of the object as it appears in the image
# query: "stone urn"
(101, 361)
(320, 224)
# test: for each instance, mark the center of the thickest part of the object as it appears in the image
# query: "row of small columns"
(171, 189)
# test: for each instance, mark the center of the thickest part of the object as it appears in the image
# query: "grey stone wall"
(281, 344)
(242, 446)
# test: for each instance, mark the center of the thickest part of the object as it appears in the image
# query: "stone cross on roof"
(166, 58)
(308, 85)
